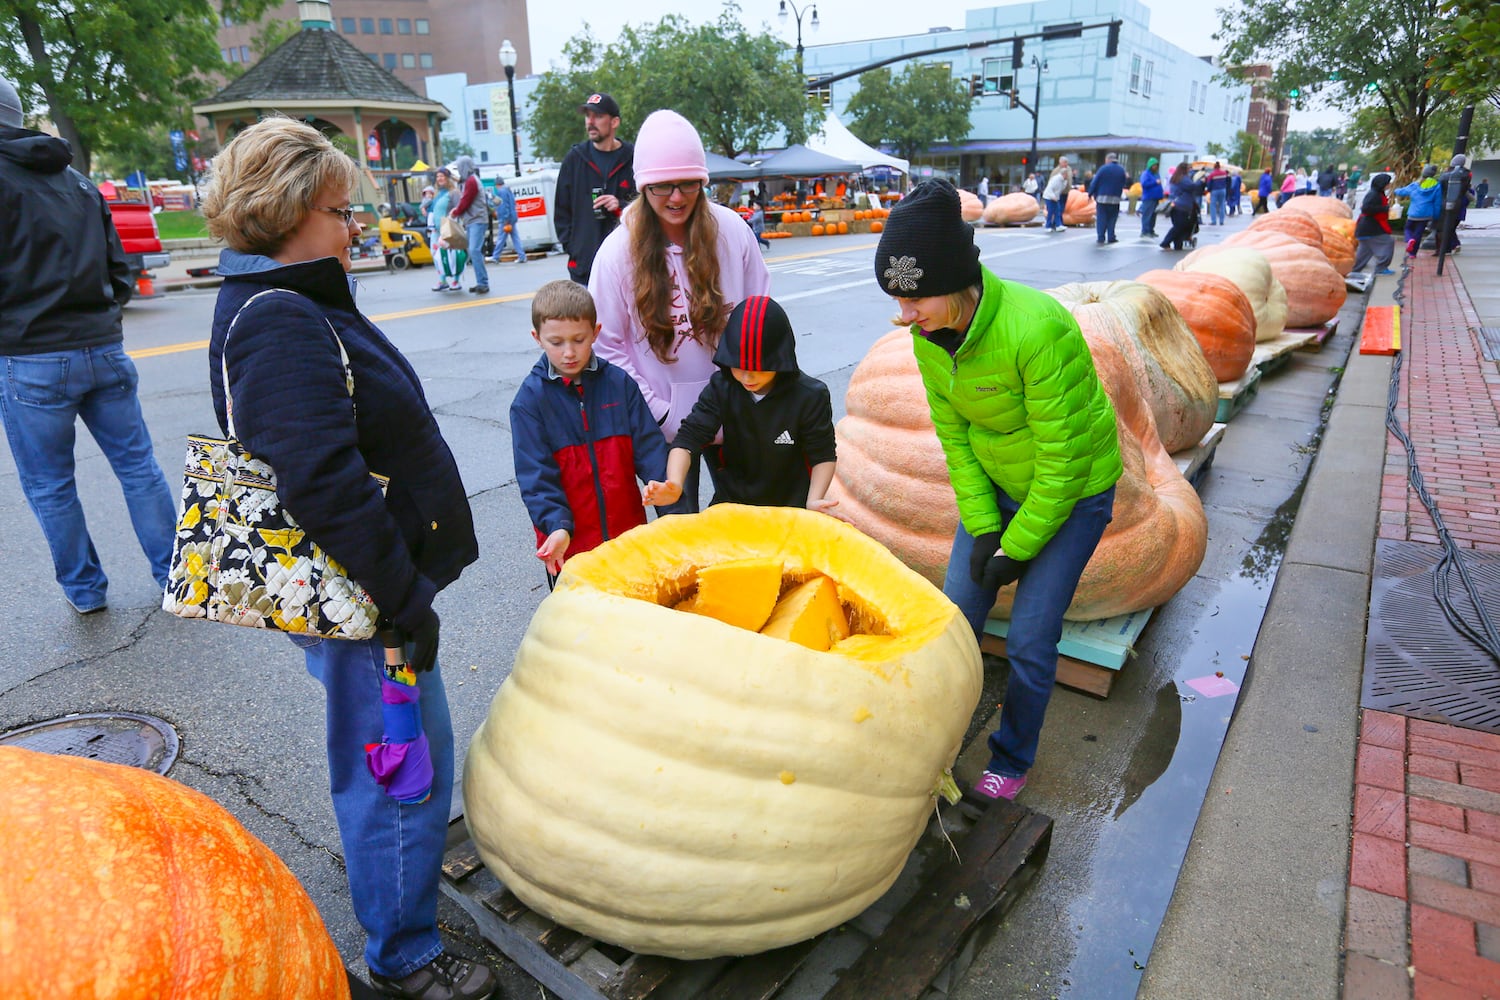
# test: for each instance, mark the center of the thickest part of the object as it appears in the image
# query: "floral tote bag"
(241, 558)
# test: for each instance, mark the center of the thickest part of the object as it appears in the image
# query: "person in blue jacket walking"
(1264, 190)
(1426, 194)
(1151, 195)
(507, 222)
(1106, 188)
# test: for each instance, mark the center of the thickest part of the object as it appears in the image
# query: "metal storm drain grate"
(117, 737)
(1415, 663)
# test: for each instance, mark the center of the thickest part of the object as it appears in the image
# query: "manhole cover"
(118, 737)
(1415, 663)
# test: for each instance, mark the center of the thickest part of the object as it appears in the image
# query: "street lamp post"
(1036, 107)
(798, 12)
(508, 60)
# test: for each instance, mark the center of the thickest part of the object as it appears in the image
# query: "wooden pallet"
(1321, 335)
(1194, 462)
(1090, 654)
(1274, 355)
(915, 941)
(1235, 396)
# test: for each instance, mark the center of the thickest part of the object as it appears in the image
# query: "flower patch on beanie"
(902, 275)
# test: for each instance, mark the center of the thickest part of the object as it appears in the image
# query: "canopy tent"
(838, 141)
(722, 168)
(799, 161)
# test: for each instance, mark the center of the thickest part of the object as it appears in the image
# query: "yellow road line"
(199, 345)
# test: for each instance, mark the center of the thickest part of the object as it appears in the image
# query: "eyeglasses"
(345, 214)
(665, 190)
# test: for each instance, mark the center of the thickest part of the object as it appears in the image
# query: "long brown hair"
(653, 281)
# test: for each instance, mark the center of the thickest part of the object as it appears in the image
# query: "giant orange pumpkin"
(1251, 274)
(1172, 374)
(1298, 225)
(892, 482)
(969, 206)
(1315, 292)
(1330, 207)
(1338, 242)
(1217, 312)
(1012, 210)
(119, 884)
(1079, 209)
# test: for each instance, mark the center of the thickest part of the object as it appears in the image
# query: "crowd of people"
(662, 352)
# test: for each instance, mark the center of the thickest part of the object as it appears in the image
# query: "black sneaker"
(480, 289)
(446, 977)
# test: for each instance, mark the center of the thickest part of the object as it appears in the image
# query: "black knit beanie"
(927, 247)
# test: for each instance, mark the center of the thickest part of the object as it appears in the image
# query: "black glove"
(1002, 570)
(423, 638)
(985, 547)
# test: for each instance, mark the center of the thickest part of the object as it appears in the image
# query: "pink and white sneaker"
(999, 786)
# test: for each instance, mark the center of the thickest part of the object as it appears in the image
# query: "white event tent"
(836, 140)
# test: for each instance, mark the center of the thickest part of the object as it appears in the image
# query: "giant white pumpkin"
(680, 786)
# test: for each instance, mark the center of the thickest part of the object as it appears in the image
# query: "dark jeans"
(1182, 227)
(1054, 212)
(1148, 217)
(1105, 217)
(1036, 617)
(1415, 230)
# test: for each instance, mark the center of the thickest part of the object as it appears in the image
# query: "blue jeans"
(42, 396)
(1054, 212)
(1036, 618)
(514, 238)
(1216, 203)
(476, 232)
(1105, 217)
(1148, 218)
(393, 854)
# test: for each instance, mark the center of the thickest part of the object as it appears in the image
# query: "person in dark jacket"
(63, 279)
(1187, 194)
(1328, 180)
(594, 184)
(1106, 189)
(1454, 206)
(777, 421)
(1373, 230)
(278, 196)
(1236, 192)
(1263, 202)
(581, 433)
(1151, 195)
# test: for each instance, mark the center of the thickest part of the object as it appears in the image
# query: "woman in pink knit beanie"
(666, 280)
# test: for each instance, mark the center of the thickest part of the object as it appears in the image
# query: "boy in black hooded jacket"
(778, 446)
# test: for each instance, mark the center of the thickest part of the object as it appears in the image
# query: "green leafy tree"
(108, 69)
(738, 88)
(1466, 59)
(1248, 151)
(1353, 56)
(1442, 132)
(923, 105)
(271, 33)
(1321, 147)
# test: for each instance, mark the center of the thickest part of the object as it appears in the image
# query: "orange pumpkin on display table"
(1338, 242)
(1251, 274)
(1299, 226)
(1011, 210)
(892, 482)
(843, 229)
(1079, 209)
(120, 884)
(817, 230)
(969, 206)
(877, 226)
(1217, 312)
(1315, 292)
(1173, 375)
(1331, 207)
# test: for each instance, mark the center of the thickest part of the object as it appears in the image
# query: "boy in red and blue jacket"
(581, 433)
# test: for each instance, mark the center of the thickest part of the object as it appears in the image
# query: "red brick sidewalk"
(1424, 882)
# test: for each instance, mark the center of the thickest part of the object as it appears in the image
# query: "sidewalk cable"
(1489, 638)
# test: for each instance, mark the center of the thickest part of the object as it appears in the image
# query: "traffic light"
(1294, 93)
(976, 86)
(1025, 160)
(1015, 98)
(1112, 47)
(1015, 54)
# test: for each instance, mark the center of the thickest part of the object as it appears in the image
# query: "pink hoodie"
(671, 390)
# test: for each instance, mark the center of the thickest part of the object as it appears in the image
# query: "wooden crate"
(1235, 396)
(910, 943)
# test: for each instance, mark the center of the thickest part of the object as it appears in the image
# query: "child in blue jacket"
(581, 433)
(1426, 205)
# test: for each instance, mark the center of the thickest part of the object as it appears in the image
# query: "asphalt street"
(1124, 777)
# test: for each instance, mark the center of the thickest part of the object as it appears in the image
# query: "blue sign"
(136, 180)
(175, 137)
(179, 160)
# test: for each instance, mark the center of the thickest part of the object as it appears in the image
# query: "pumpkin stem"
(947, 788)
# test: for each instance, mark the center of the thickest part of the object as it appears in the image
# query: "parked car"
(139, 236)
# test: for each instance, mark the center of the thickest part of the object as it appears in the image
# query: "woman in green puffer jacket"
(1029, 437)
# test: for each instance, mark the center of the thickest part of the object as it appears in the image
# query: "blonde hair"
(562, 299)
(959, 302)
(707, 311)
(263, 183)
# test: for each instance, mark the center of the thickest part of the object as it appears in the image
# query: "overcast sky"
(1187, 25)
